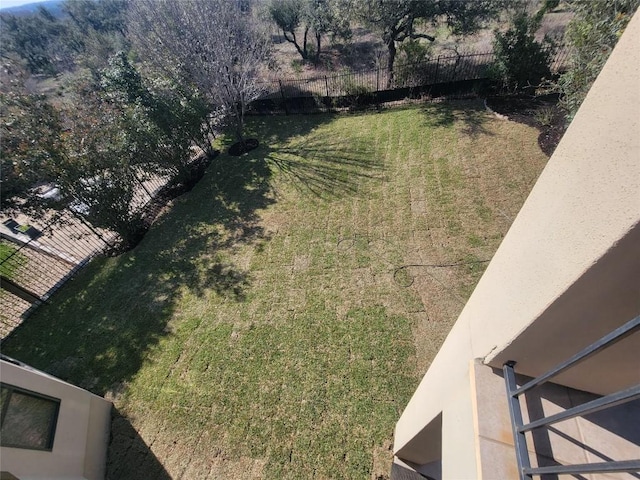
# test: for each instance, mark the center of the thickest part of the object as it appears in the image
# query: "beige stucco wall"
(82, 433)
(567, 272)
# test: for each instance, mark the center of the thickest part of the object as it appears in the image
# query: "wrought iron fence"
(31, 269)
(34, 266)
(38, 257)
(439, 70)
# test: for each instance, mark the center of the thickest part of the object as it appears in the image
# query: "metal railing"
(608, 401)
(440, 69)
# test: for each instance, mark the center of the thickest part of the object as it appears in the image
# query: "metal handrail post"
(515, 411)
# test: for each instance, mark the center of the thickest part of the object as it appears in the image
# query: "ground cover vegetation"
(188, 69)
(275, 322)
(8, 269)
(593, 33)
(523, 62)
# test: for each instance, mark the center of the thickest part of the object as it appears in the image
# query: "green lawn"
(10, 261)
(276, 321)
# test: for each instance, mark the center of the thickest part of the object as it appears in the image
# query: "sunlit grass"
(265, 327)
(10, 260)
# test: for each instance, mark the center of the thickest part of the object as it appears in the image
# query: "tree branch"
(286, 37)
(413, 36)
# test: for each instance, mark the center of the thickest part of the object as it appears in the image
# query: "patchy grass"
(10, 261)
(276, 321)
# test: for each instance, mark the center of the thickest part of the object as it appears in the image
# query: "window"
(28, 419)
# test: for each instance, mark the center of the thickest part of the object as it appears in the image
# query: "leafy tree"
(398, 20)
(593, 32)
(522, 61)
(411, 66)
(214, 47)
(103, 16)
(165, 122)
(96, 174)
(316, 17)
(41, 40)
(31, 142)
(110, 146)
(98, 29)
(288, 15)
(87, 150)
(113, 130)
(325, 18)
(89, 33)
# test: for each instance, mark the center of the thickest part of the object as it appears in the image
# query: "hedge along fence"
(443, 75)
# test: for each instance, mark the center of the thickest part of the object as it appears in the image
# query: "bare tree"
(214, 46)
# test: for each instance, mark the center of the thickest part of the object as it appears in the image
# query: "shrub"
(593, 32)
(545, 116)
(355, 95)
(521, 61)
(349, 86)
(297, 66)
(412, 66)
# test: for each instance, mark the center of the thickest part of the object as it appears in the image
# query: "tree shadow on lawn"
(96, 331)
(324, 166)
(326, 169)
(129, 455)
(471, 114)
(273, 129)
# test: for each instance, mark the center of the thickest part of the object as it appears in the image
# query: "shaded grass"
(259, 329)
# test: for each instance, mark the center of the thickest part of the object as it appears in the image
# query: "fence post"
(378, 79)
(455, 69)
(435, 80)
(326, 83)
(284, 99)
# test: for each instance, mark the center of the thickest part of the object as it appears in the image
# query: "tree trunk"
(294, 40)
(391, 46)
(239, 117)
(305, 54)
(207, 147)
(318, 40)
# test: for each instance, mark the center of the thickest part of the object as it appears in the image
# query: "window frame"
(54, 417)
